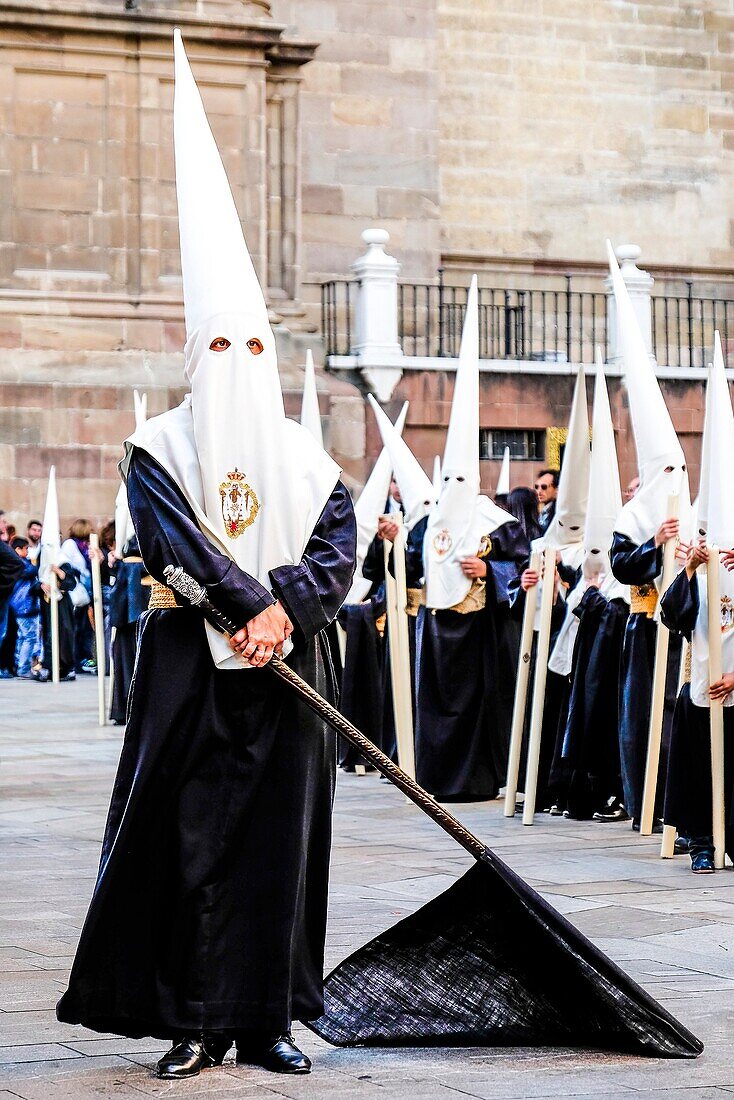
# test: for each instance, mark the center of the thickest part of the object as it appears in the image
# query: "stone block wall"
(563, 123)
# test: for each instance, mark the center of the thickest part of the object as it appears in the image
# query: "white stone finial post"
(639, 284)
(376, 316)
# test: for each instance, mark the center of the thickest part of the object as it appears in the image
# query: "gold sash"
(643, 599)
(416, 598)
(475, 599)
(161, 598)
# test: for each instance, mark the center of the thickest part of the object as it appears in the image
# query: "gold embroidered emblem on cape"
(442, 542)
(239, 504)
(727, 614)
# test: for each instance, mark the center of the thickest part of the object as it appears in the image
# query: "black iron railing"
(557, 324)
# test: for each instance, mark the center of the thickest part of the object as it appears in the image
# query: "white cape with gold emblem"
(256, 481)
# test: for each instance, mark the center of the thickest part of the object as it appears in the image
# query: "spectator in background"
(26, 606)
(34, 531)
(11, 568)
(631, 489)
(546, 490)
(68, 579)
(3, 527)
(75, 551)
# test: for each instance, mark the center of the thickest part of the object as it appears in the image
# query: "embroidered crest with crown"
(727, 614)
(442, 542)
(485, 547)
(239, 504)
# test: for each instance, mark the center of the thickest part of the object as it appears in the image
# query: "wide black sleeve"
(168, 534)
(633, 564)
(11, 570)
(680, 605)
(591, 603)
(373, 566)
(314, 589)
(506, 560)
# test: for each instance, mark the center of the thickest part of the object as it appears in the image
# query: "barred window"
(523, 444)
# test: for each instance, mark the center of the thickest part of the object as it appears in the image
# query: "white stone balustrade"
(639, 284)
(379, 355)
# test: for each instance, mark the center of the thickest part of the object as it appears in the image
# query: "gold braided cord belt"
(416, 598)
(161, 598)
(643, 599)
(475, 599)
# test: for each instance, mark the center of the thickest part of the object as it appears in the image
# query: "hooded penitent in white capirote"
(715, 525)
(660, 459)
(503, 481)
(566, 531)
(414, 483)
(256, 481)
(462, 518)
(605, 494)
(369, 507)
(51, 533)
(124, 529)
(310, 415)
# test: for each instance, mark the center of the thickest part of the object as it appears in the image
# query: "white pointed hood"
(462, 518)
(256, 481)
(503, 481)
(566, 531)
(369, 507)
(436, 480)
(124, 529)
(715, 523)
(51, 535)
(310, 415)
(567, 525)
(414, 483)
(605, 493)
(660, 459)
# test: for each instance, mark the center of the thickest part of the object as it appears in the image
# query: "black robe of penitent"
(459, 745)
(209, 910)
(639, 566)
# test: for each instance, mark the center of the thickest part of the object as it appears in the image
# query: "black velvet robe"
(459, 744)
(590, 750)
(128, 601)
(209, 911)
(688, 782)
(639, 565)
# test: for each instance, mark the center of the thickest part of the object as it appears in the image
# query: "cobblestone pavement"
(672, 932)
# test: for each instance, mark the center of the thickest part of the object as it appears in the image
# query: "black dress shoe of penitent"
(278, 1053)
(189, 1056)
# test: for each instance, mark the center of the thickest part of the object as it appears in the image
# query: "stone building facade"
(480, 134)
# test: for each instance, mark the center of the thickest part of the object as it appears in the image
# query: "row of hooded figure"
(469, 572)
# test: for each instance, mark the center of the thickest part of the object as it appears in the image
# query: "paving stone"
(670, 932)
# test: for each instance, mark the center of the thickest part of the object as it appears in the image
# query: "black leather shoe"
(190, 1056)
(682, 845)
(701, 849)
(279, 1054)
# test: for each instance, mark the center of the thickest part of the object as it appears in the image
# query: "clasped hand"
(263, 636)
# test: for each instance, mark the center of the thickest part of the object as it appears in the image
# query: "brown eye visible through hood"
(220, 343)
(255, 345)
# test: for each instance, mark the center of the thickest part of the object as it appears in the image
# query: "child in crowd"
(26, 606)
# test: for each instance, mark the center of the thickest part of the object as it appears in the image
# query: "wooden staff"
(98, 625)
(667, 845)
(53, 596)
(657, 705)
(541, 673)
(716, 706)
(399, 641)
(521, 689)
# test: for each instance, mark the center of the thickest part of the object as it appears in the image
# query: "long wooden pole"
(657, 704)
(53, 597)
(406, 750)
(401, 706)
(716, 706)
(667, 844)
(98, 627)
(541, 673)
(521, 689)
